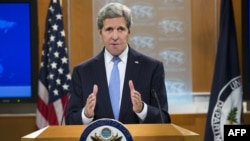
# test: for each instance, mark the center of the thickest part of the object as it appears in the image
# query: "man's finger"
(95, 89)
(131, 85)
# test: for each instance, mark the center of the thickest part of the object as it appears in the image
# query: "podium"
(139, 132)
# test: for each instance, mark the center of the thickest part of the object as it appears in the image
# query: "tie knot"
(116, 60)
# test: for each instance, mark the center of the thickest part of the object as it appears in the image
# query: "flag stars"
(52, 38)
(41, 65)
(68, 76)
(64, 60)
(66, 50)
(55, 27)
(62, 33)
(49, 20)
(60, 70)
(55, 92)
(53, 65)
(58, 81)
(50, 49)
(56, 54)
(59, 16)
(51, 76)
(65, 86)
(51, 9)
(59, 43)
(49, 87)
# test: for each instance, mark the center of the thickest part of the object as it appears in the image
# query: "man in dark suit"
(141, 78)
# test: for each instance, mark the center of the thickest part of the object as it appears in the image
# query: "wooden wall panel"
(203, 43)
(238, 24)
(13, 127)
(205, 27)
(81, 31)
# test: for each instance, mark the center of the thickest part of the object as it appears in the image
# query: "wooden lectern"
(139, 132)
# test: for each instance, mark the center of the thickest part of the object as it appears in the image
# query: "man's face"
(115, 35)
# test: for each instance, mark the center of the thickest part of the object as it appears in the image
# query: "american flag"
(54, 77)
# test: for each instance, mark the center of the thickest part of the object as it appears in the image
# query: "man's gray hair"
(114, 10)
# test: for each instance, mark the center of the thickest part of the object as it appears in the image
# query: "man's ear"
(100, 31)
(100, 34)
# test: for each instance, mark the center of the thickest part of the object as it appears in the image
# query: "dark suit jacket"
(146, 73)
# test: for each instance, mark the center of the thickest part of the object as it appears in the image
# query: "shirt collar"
(123, 56)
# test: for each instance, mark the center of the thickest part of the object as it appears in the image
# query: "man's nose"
(115, 35)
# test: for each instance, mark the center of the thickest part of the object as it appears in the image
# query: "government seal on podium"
(106, 130)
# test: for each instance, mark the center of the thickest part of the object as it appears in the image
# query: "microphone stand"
(158, 104)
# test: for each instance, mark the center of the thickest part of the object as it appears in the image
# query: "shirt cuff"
(86, 120)
(143, 113)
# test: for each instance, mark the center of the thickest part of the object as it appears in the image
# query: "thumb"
(131, 85)
(95, 89)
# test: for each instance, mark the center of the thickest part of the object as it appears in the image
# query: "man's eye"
(121, 29)
(109, 29)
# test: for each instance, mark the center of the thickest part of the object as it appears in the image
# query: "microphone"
(158, 104)
(64, 109)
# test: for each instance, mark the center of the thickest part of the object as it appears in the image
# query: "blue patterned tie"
(114, 87)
